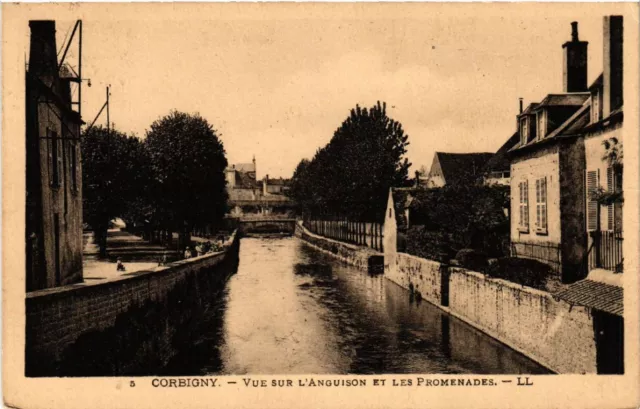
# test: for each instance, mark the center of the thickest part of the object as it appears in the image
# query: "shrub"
(401, 241)
(432, 245)
(527, 272)
(472, 259)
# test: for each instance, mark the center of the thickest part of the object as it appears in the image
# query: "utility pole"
(108, 118)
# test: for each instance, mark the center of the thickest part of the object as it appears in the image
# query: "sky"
(277, 84)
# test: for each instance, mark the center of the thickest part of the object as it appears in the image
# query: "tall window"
(55, 158)
(524, 131)
(73, 166)
(593, 177)
(541, 205)
(523, 220)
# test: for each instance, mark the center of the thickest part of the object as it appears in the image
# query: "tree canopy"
(188, 162)
(116, 175)
(352, 174)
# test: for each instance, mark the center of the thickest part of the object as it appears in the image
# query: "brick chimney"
(612, 64)
(43, 60)
(574, 77)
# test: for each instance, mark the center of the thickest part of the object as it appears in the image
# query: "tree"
(463, 215)
(116, 175)
(188, 162)
(351, 175)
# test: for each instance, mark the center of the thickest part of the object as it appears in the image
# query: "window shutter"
(526, 203)
(592, 205)
(50, 155)
(610, 188)
(543, 200)
(61, 169)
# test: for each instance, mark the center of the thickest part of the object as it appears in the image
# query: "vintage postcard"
(326, 205)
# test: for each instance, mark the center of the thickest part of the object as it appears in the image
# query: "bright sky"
(277, 84)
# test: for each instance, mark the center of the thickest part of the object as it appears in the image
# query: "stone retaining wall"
(120, 326)
(354, 255)
(551, 332)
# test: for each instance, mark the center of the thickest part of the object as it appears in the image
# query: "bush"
(432, 245)
(527, 272)
(472, 259)
(401, 241)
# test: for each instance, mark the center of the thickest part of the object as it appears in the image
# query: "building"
(447, 168)
(249, 196)
(497, 170)
(53, 168)
(558, 162)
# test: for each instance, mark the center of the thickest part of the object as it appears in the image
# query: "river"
(292, 309)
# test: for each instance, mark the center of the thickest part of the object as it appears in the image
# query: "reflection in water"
(293, 310)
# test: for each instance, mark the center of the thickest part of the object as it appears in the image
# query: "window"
(611, 187)
(523, 221)
(541, 205)
(593, 177)
(73, 165)
(55, 158)
(524, 132)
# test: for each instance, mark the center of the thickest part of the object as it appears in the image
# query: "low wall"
(130, 325)
(551, 332)
(357, 256)
(420, 274)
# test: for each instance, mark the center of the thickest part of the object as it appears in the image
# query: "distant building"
(53, 168)
(248, 195)
(448, 168)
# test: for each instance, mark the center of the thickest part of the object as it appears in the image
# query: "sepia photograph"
(311, 196)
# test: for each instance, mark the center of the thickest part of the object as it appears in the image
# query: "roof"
(455, 166)
(246, 180)
(568, 99)
(244, 167)
(278, 182)
(500, 161)
(594, 294)
(575, 124)
(530, 108)
(598, 83)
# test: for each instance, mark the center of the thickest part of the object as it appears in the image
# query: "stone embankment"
(549, 331)
(131, 324)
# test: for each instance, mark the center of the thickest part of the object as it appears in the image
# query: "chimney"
(521, 102)
(43, 60)
(417, 178)
(265, 181)
(612, 62)
(574, 76)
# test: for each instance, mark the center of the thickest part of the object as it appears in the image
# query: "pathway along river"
(291, 309)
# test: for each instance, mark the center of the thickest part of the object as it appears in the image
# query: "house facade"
(54, 168)
(603, 154)
(556, 167)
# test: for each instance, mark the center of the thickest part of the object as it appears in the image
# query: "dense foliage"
(459, 216)
(530, 273)
(172, 181)
(188, 162)
(351, 176)
(116, 176)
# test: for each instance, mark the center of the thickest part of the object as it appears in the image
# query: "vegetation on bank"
(350, 177)
(172, 181)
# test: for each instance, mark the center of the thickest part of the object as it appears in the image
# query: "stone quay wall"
(132, 324)
(549, 331)
(359, 257)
